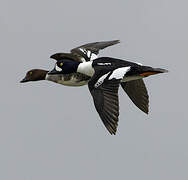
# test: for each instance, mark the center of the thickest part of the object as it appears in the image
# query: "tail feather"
(160, 70)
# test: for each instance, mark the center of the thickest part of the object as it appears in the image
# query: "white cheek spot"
(119, 73)
(57, 68)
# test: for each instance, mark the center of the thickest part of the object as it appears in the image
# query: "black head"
(34, 75)
(65, 66)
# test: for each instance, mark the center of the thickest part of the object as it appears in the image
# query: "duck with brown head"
(73, 79)
(35, 75)
(82, 53)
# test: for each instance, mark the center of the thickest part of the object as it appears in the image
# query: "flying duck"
(106, 74)
(83, 53)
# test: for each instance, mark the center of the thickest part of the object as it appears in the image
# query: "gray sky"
(49, 131)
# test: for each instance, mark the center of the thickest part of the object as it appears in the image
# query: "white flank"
(119, 73)
(86, 68)
(100, 80)
(57, 68)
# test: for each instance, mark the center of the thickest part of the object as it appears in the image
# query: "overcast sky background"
(49, 131)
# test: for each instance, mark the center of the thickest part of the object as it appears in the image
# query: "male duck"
(106, 75)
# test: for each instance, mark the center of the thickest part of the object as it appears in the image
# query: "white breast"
(86, 68)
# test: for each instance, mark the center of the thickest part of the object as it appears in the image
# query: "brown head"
(34, 75)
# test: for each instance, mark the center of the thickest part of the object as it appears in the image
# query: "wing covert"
(91, 50)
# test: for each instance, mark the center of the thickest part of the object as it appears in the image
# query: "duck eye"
(30, 73)
(61, 64)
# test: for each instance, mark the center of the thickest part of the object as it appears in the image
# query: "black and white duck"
(106, 74)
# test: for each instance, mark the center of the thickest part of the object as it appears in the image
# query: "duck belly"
(74, 79)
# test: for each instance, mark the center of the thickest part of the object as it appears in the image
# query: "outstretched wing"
(85, 52)
(60, 56)
(106, 103)
(91, 50)
(137, 92)
(104, 90)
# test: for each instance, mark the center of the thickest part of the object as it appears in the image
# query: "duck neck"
(86, 68)
(42, 75)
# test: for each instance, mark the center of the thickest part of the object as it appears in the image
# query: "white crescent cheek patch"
(57, 68)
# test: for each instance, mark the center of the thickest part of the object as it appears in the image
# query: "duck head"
(65, 66)
(34, 75)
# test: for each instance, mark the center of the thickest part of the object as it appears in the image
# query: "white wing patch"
(93, 56)
(100, 80)
(89, 54)
(57, 68)
(82, 50)
(103, 64)
(119, 73)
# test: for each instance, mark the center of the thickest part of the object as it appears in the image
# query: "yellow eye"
(30, 73)
(61, 64)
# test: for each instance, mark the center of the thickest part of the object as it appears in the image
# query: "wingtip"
(116, 41)
(54, 56)
(113, 133)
